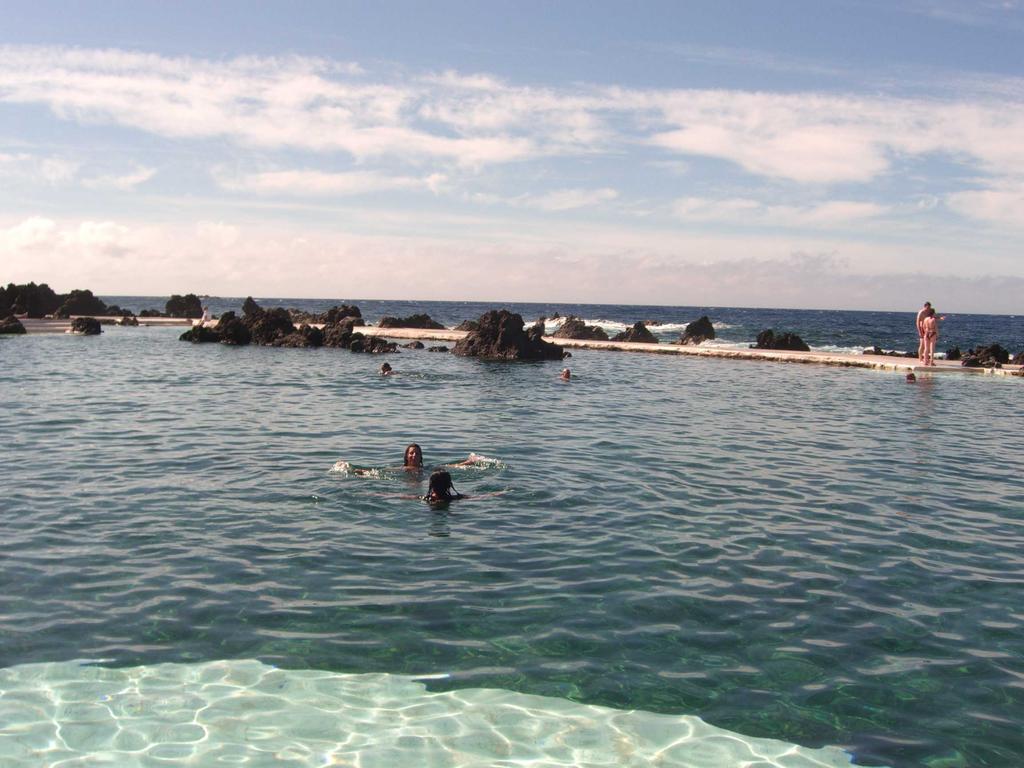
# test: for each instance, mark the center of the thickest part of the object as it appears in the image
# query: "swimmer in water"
(566, 374)
(440, 488)
(413, 456)
(385, 369)
(911, 378)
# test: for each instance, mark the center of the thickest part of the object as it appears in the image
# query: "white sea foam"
(246, 712)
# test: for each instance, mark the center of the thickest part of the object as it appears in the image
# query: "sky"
(856, 154)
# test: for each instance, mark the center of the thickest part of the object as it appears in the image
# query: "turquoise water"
(817, 556)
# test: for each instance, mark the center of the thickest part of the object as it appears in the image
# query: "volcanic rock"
(768, 339)
(574, 328)
(696, 332)
(413, 345)
(412, 321)
(991, 356)
(128, 320)
(500, 336)
(86, 326)
(11, 325)
(81, 302)
(29, 299)
(438, 348)
(467, 325)
(233, 331)
(200, 334)
(637, 333)
(953, 353)
(1018, 359)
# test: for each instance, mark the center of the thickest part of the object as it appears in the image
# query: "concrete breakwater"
(877, 362)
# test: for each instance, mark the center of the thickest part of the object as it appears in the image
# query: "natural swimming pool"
(824, 557)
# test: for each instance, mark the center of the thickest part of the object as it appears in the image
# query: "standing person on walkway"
(930, 324)
(921, 315)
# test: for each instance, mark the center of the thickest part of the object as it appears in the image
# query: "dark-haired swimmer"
(413, 457)
(440, 488)
(566, 374)
(385, 369)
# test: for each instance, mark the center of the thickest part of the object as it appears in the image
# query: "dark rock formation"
(249, 306)
(128, 320)
(412, 321)
(200, 334)
(768, 339)
(438, 348)
(81, 302)
(877, 350)
(991, 356)
(1018, 359)
(11, 325)
(372, 344)
(500, 336)
(29, 299)
(184, 306)
(638, 333)
(413, 345)
(151, 313)
(574, 328)
(699, 330)
(953, 353)
(86, 326)
(304, 336)
(334, 315)
(467, 325)
(233, 331)
(268, 326)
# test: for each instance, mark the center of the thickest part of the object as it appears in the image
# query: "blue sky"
(855, 154)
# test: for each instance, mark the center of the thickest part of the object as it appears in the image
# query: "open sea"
(670, 561)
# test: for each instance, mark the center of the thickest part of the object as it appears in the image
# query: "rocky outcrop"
(991, 356)
(877, 350)
(29, 299)
(372, 344)
(200, 334)
(1018, 359)
(438, 348)
(11, 325)
(953, 353)
(333, 315)
(768, 339)
(700, 330)
(638, 333)
(413, 345)
(81, 302)
(184, 306)
(128, 320)
(467, 325)
(151, 313)
(574, 328)
(232, 331)
(500, 336)
(412, 321)
(86, 326)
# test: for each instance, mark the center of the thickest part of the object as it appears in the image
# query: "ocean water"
(667, 561)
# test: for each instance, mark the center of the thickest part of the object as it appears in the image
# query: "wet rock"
(81, 302)
(1018, 359)
(574, 328)
(877, 350)
(128, 320)
(268, 326)
(339, 334)
(372, 344)
(698, 331)
(412, 321)
(151, 313)
(467, 325)
(438, 348)
(184, 306)
(86, 326)
(768, 339)
(249, 306)
(500, 336)
(953, 353)
(991, 356)
(11, 325)
(304, 336)
(232, 330)
(413, 345)
(333, 315)
(638, 333)
(200, 334)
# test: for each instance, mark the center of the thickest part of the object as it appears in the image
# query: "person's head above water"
(440, 487)
(566, 374)
(385, 369)
(413, 456)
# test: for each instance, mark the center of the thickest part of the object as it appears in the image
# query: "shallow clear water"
(815, 555)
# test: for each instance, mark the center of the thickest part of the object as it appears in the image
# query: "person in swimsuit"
(930, 325)
(386, 369)
(566, 374)
(413, 457)
(921, 315)
(440, 488)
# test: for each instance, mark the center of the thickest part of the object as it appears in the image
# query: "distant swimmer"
(911, 378)
(566, 374)
(413, 458)
(385, 369)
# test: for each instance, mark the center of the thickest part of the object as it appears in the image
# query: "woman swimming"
(440, 488)
(413, 457)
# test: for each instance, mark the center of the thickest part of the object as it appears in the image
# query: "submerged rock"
(574, 328)
(500, 336)
(412, 321)
(700, 330)
(413, 345)
(877, 350)
(86, 326)
(200, 334)
(188, 305)
(638, 333)
(372, 344)
(11, 325)
(991, 356)
(438, 348)
(128, 320)
(768, 339)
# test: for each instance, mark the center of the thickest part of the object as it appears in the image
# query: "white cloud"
(314, 183)
(568, 199)
(123, 182)
(52, 171)
(1001, 203)
(742, 211)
